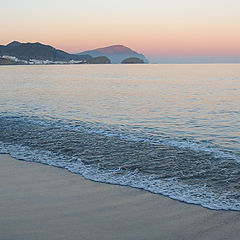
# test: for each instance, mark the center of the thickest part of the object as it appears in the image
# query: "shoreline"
(43, 202)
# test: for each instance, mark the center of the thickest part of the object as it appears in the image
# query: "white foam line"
(171, 187)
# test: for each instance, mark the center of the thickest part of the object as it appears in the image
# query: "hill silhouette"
(116, 53)
(39, 51)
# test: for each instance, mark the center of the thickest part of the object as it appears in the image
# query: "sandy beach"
(44, 202)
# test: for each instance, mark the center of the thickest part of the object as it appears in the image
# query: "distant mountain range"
(40, 52)
(116, 53)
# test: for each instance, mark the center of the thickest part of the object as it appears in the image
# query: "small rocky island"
(132, 60)
(99, 60)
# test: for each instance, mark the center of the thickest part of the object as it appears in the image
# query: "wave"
(170, 188)
(128, 135)
(182, 170)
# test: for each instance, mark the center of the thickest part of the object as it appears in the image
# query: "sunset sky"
(157, 28)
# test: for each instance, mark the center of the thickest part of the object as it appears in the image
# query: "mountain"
(13, 44)
(38, 51)
(116, 53)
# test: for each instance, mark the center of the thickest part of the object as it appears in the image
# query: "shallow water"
(168, 129)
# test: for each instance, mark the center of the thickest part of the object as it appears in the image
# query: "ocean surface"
(168, 129)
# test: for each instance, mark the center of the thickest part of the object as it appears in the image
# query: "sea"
(172, 130)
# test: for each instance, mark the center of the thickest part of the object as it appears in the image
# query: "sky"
(160, 29)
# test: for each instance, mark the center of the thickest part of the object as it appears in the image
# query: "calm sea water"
(169, 129)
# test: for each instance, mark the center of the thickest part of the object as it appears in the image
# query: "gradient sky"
(153, 27)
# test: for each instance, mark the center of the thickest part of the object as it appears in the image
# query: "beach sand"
(39, 202)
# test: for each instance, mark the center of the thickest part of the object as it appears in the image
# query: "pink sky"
(155, 28)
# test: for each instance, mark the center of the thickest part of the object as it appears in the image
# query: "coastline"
(43, 202)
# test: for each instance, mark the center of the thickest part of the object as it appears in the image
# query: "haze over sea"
(168, 129)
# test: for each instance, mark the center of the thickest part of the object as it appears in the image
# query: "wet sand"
(39, 202)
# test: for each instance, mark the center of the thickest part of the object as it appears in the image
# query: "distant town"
(39, 62)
